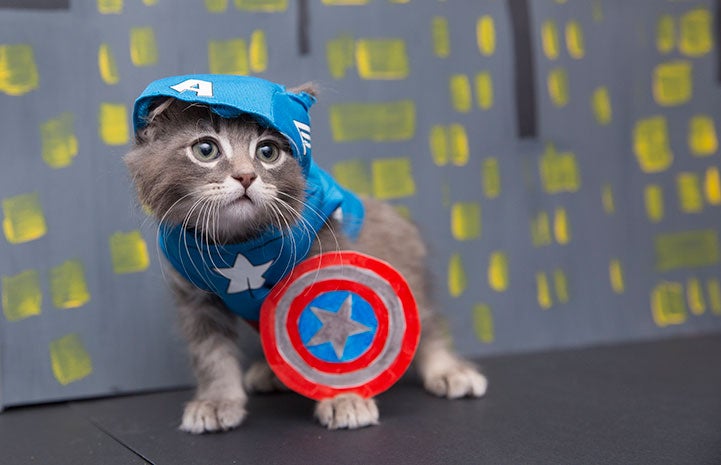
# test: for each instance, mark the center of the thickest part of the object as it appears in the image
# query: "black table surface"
(643, 403)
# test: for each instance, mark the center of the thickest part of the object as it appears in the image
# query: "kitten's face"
(229, 179)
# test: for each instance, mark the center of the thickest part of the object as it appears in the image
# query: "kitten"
(225, 180)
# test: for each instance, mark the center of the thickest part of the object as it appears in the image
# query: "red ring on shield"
(302, 371)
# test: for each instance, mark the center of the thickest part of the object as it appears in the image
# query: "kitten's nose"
(245, 179)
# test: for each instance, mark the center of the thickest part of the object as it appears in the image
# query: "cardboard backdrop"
(560, 157)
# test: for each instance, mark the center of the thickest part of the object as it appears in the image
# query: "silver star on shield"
(337, 327)
(243, 275)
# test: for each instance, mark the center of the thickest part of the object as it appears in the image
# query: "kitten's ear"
(154, 114)
(310, 88)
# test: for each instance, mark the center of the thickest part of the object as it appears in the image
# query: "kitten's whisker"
(309, 230)
(315, 211)
(202, 219)
(290, 264)
(293, 246)
(184, 237)
(158, 231)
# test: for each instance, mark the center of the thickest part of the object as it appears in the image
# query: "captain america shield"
(341, 322)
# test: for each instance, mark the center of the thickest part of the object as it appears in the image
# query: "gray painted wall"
(100, 326)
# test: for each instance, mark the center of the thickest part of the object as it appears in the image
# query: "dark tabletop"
(644, 403)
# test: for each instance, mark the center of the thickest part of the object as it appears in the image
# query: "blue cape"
(243, 274)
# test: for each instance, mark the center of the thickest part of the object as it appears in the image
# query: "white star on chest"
(243, 275)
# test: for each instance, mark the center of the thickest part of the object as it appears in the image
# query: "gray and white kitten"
(229, 179)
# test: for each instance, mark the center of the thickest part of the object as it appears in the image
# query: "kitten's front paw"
(347, 411)
(260, 379)
(457, 380)
(209, 416)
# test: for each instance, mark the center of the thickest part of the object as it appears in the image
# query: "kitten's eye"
(267, 152)
(205, 150)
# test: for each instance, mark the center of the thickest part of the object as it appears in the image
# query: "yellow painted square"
(392, 178)
(18, 71)
(498, 271)
(378, 122)
(561, 284)
(484, 90)
(694, 296)
(67, 285)
(713, 288)
(107, 66)
(673, 83)
(712, 185)
(688, 187)
(665, 33)
(557, 84)
(23, 218)
(216, 6)
(143, 48)
(69, 359)
(486, 35)
(607, 199)
(22, 296)
(460, 90)
(354, 175)
(228, 57)
(59, 144)
(561, 226)
(601, 106)
(110, 7)
(653, 200)
(574, 40)
(458, 144)
(129, 252)
(541, 230)
(668, 305)
(543, 291)
(258, 52)
(483, 323)
(268, 6)
(615, 275)
(113, 123)
(702, 139)
(457, 280)
(549, 39)
(340, 55)
(696, 33)
(651, 145)
(559, 171)
(686, 249)
(441, 37)
(466, 220)
(381, 59)
(439, 145)
(491, 176)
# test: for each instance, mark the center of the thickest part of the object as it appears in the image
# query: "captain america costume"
(243, 274)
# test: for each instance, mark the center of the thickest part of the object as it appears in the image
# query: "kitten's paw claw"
(208, 416)
(347, 411)
(260, 379)
(458, 380)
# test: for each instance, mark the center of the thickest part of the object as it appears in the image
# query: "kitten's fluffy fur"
(205, 196)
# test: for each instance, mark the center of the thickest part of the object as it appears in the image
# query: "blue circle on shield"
(337, 326)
